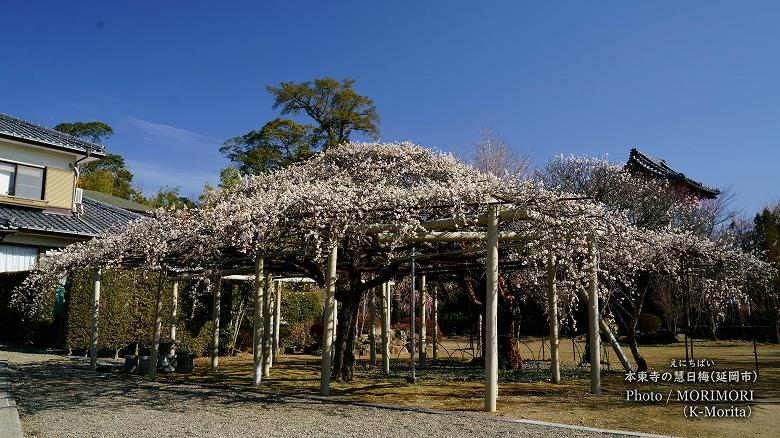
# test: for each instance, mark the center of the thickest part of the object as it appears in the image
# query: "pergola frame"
(338, 204)
(440, 230)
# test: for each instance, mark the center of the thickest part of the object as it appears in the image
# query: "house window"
(21, 181)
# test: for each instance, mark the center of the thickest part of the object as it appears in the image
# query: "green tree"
(766, 243)
(169, 198)
(278, 143)
(228, 177)
(107, 175)
(92, 131)
(334, 105)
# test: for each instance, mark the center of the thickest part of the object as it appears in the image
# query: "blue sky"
(696, 83)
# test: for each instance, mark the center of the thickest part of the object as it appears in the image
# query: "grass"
(457, 386)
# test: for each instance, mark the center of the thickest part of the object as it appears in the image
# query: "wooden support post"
(277, 322)
(615, 345)
(158, 317)
(95, 320)
(216, 287)
(552, 316)
(480, 332)
(372, 328)
(435, 322)
(593, 318)
(423, 328)
(174, 309)
(328, 323)
(267, 298)
(386, 328)
(413, 322)
(491, 311)
(335, 327)
(257, 328)
(605, 330)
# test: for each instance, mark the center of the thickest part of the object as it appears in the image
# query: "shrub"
(300, 306)
(648, 322)
(127, 304)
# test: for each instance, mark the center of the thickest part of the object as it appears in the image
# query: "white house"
(40, 207)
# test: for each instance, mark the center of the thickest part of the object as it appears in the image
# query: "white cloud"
(171, 135)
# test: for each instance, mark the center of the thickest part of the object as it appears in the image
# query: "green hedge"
(302, 311)
(127, 306)
(300, 306)
(15, 328)
(127, 302)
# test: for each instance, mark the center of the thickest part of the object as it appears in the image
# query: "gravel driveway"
(59, 397)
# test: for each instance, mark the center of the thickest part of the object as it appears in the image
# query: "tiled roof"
(658, 167)
(118, 202)
(97, 217)
(15, 128)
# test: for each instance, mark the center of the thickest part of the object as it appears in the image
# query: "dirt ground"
(529, 394)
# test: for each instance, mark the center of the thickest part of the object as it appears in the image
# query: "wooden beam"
(452, 223)
(454, 236)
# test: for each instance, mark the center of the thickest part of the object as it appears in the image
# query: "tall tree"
(107, 175)
(334, 105)
(278, 143)
(170, 199)
(492, 154)
(766, 244)
(92, 131)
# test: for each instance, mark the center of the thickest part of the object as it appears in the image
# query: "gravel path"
(59, 397)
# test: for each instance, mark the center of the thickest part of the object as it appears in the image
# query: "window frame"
(15, 179)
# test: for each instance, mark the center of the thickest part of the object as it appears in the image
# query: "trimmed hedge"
(15, 328)
(302, 311)
(127, 301)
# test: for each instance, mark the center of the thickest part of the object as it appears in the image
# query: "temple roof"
(648, 164)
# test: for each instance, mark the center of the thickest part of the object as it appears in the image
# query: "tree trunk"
(344, 355)
(641, 363)
(508, 356)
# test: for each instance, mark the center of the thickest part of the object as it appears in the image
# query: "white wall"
(17, 258)
(36, 156)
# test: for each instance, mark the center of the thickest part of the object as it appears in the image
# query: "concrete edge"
(10, 425)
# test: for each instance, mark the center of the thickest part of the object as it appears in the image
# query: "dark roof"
(97, 217)
(21, 130)
(640, 161)
(118, 202)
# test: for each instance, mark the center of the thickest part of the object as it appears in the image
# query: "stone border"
(10, 426)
